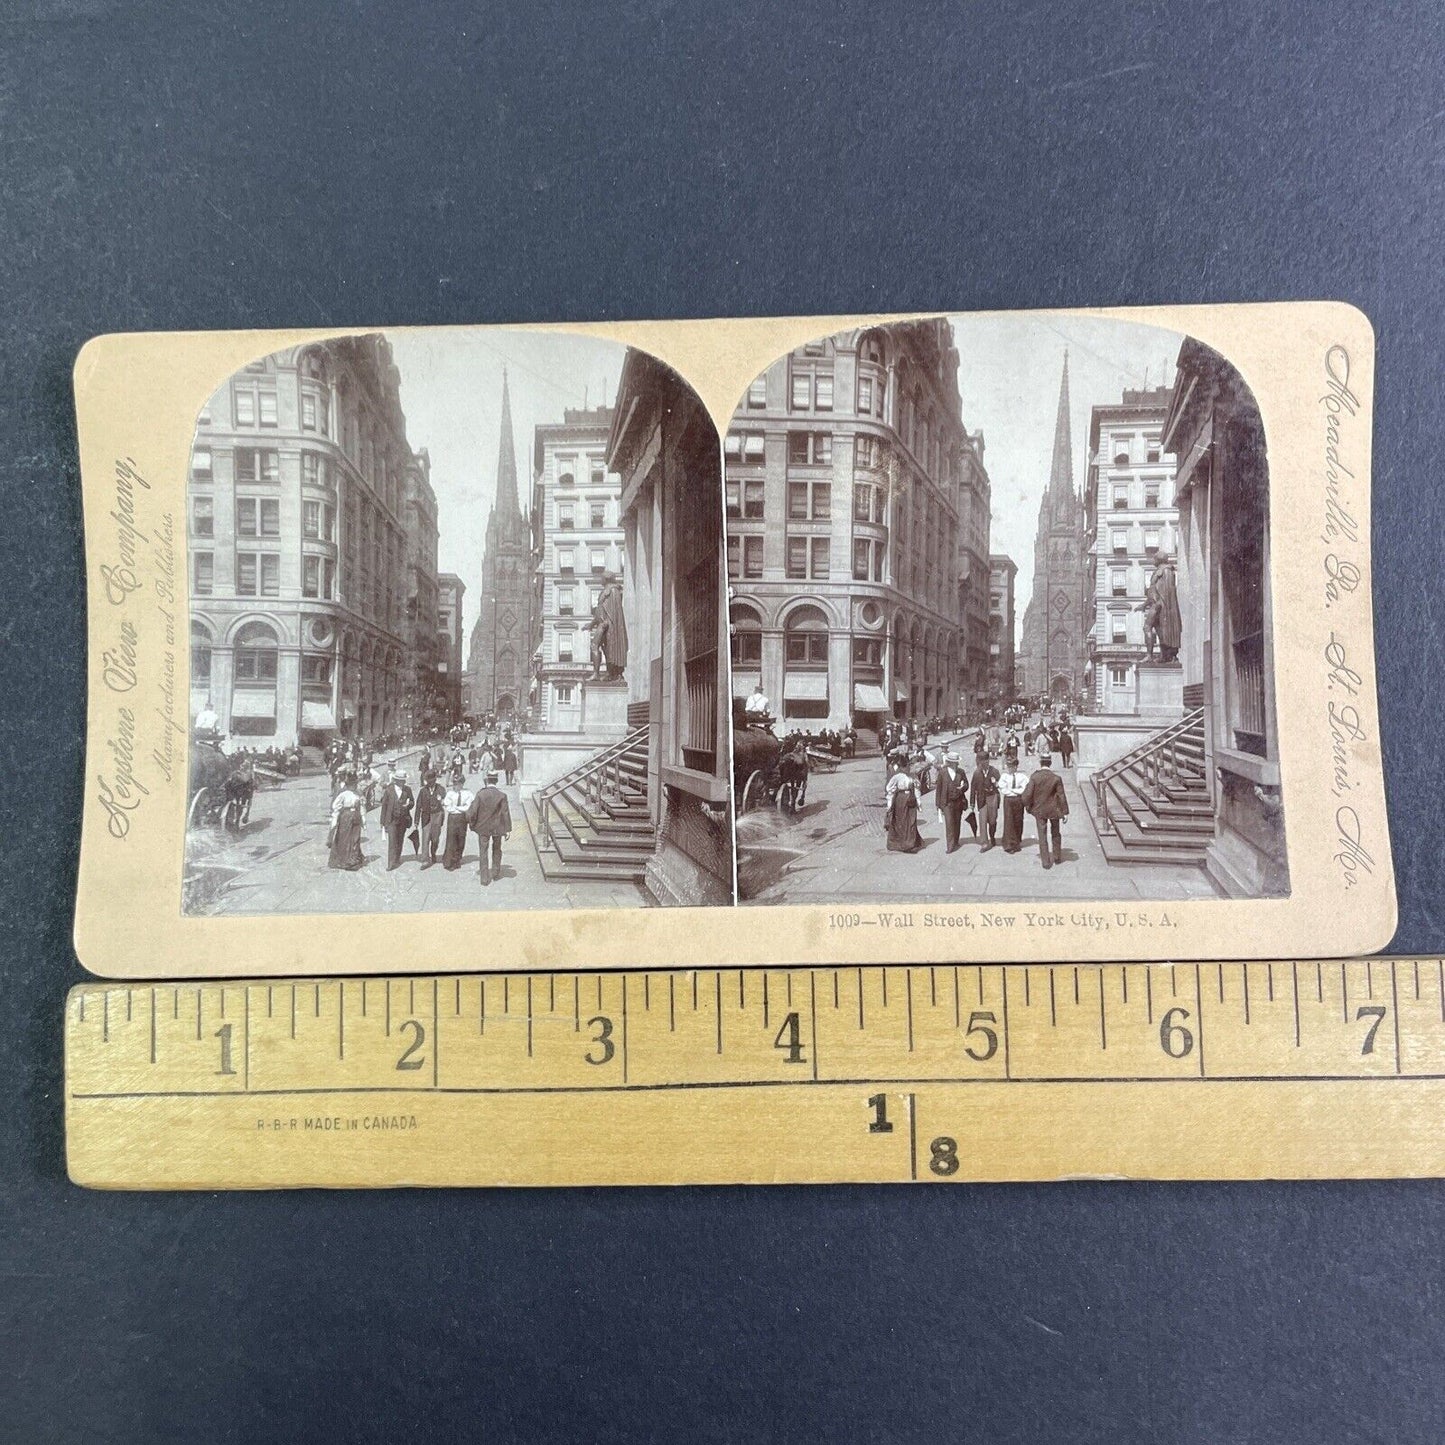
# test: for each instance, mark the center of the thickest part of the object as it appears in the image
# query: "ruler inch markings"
(1242, 1043)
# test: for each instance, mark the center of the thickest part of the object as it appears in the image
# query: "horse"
(793, 772)
(240, 788)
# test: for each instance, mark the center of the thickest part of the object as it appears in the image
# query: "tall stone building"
(502, 640)
(575, 502)
(1054, 646)
(422, 703)
(857, 532)
(297, 532)
(1130, 521)
(1002, 575)
(447, 632)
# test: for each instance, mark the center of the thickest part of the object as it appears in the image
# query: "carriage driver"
(757, 708)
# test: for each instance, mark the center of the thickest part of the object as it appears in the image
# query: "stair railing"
(606, 763)
(1151, 755)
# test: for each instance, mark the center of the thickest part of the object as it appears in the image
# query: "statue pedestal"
(604, 708)
(1161, 690)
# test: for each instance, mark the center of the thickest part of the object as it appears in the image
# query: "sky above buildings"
(1008, 378)
(451, 393)
(1009, 366)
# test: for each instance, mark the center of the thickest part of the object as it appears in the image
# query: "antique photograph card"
(992, 637)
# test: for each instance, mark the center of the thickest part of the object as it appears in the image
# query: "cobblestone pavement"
(278, 864)
(834, 851)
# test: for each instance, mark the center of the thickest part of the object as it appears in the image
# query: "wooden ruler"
(927, 1074)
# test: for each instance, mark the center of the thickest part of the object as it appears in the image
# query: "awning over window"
(254, 702)
(900, 693)
(806, 687)
(317, 715)
(869, 697)
(744, 683)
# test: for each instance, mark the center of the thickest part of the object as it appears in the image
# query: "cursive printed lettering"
(1341, 529)
(1341, 674)
(1344, 729)
(1341, 576)
(118, 664)
(1351, 857)
(120, 791)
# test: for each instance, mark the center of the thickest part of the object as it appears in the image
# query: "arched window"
(746, 628)
(806, 638)
(870, 348)
(256, 655)
(200, 656)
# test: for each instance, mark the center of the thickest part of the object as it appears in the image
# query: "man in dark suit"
(951, 797)
(490, 818)
(1045, 798)
(983, 798)
(430, 818)
(396, 804)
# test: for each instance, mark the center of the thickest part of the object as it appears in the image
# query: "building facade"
(423, 704)
(1216, 435)
(1002, 575)
(664, 448)
(447, 639)
(298, 552)
(503, 639)
(1053, 648)
(1130, 524)
(857, 532)
(575, 503)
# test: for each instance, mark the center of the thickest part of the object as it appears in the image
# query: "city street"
(834, 851)
(278, 864)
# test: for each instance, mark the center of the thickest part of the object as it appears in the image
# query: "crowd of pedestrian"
(997, 792)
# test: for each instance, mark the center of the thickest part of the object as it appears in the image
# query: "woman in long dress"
(346, 814)
(900, 813)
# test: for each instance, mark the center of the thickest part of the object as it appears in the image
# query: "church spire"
(506, 504)
(1061, 472)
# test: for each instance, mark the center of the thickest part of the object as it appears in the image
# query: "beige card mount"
(732, 642)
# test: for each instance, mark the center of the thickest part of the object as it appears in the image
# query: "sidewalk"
(834, 851)
(278, 864)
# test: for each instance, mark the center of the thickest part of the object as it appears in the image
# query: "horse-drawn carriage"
(221, 787)
(766, 770)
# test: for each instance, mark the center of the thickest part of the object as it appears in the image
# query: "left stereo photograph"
(451, 604)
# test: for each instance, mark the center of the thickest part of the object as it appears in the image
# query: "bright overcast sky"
(451, 392)
(1008, 377)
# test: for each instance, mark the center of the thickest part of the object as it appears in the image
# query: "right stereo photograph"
(1000, 619)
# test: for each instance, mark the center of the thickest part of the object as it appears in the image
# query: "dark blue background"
(243, 164)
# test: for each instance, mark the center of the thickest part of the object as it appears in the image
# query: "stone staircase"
(594, 822)
(1154, 804)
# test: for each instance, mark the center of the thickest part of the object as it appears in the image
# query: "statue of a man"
(1163, 595)
(609, 631)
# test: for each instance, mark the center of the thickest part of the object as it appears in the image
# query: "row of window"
(807, 501)
(1120, 493)
(807, 558)
(261, 517)
(567, 473)
(805, 448)
(258, 665)
(567, 515)
(255, 405)
(596, 558)
(802, 647)
(1119, 539)
(567, 600)
(1119, 580)
(812, 389)
(258, 574)
(804, 558)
